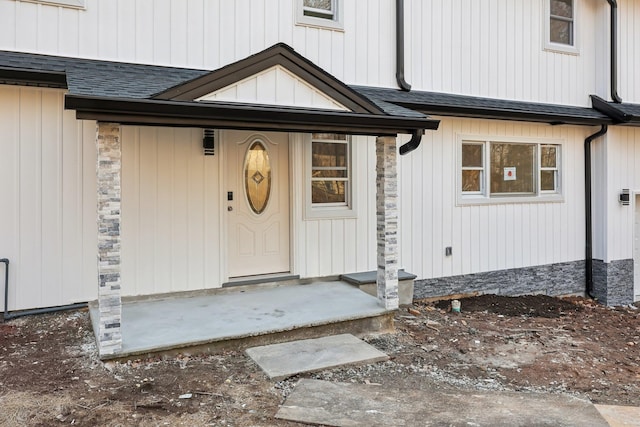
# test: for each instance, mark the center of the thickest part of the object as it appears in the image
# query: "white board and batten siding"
(494, 236)
(491, 48)
(48, 200)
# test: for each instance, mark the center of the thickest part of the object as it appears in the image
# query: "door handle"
(229, 208)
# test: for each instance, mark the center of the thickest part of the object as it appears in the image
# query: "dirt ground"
(50, 373)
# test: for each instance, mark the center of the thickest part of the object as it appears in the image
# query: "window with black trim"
(505, 169)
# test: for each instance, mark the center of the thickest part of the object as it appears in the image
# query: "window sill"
(561, 48)
(481, 200)
(72, 4)
(320, 23)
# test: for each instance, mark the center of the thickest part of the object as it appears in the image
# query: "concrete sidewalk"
(340, 404)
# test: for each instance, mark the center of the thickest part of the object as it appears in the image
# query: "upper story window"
(561, 25)
(502, 170)
(320, 13)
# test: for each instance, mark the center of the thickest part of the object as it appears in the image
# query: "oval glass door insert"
(257, 177)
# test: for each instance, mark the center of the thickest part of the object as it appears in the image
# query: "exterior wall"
(613, 282)
(170, 211)
(492, 48)
(489, 237)
(48, 213)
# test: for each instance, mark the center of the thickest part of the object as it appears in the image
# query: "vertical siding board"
(130, 209)
(149, 239)
(27, 31)
(312, 236)
(68, 32)
(179, 26)
(10, 177)
(337, 252)
(144, 30)
(324, 248)
(107, 34)
(195, 33)
(162, 31)
(195, 213)
(180, 211)
(126, 30)
(8, 27)
(30, 261)
(165, 174)
(71, 202)
(88, 32)
(89, 224)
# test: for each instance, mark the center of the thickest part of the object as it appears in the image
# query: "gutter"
(614, 51)
(588, 213)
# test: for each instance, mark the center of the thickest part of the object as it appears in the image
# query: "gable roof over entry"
(168, 96)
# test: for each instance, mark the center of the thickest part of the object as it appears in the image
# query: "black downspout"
(6, 287)
(614, 51)
(588, 217)
(8, 316)
(400, 47)
(414, 142)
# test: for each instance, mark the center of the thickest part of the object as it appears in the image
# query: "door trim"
(223, 226)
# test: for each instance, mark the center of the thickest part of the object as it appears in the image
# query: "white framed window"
(75, 4)
(561, 26)
(508, 170)
(329, 176)
(320, 13)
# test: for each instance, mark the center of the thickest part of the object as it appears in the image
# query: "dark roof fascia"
(279, 54)
(240, 116)
(610, 109)
(505, 114)
(30, 77)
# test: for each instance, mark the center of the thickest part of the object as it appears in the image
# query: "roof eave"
(240, 116)
(609, 109)
(31, 77)
(505, 114)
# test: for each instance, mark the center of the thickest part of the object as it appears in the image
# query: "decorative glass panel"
(472, 155)
(257, 177)
(513, 168)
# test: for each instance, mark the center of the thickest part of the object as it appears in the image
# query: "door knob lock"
(230, 208)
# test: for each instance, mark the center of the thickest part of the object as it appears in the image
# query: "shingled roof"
(489, 108)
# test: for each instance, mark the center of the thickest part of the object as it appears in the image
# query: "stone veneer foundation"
(387, 222)
(551, 279)
(108, 169)
(613, 281)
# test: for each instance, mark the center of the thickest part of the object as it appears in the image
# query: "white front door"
(257, 202)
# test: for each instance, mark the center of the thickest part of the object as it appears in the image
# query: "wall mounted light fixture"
(208, 142)
(624, 197)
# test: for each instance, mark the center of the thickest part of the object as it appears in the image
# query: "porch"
(244, 316)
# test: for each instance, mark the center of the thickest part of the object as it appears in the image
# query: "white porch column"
(108, 168)
(387, 221)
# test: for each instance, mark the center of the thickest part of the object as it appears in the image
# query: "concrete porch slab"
(620, 416)
(280, 361)
(240, 318)
(339, 404)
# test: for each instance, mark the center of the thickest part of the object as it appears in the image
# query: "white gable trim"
(275, 86)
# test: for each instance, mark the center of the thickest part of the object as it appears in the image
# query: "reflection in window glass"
(319, 8)
(512, 168)
(561, 22)
(329, 169)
